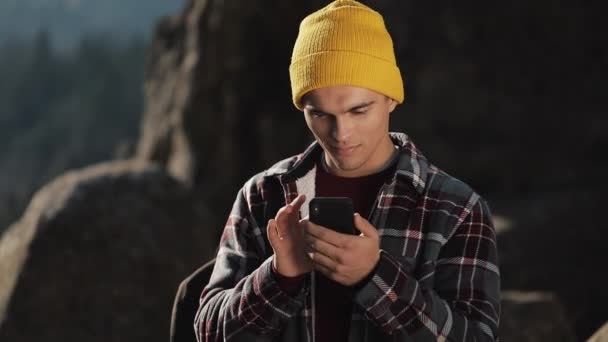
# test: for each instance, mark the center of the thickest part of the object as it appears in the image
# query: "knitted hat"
(344, 43)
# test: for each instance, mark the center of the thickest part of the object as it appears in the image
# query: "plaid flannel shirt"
(437, 278)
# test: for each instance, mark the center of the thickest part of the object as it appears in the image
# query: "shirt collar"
(412, 166)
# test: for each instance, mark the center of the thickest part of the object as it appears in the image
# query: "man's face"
(351, 124)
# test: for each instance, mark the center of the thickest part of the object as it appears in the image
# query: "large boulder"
(533, 317)
(601, 335)
(99, 254)
(556, 242)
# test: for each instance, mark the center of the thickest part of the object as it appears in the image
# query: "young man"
(424, 267)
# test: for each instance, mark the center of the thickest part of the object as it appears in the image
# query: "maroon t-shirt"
(333, 300)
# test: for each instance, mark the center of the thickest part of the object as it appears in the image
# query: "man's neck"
(390, 151)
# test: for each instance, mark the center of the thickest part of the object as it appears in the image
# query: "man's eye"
(358, 112)
(317, 114)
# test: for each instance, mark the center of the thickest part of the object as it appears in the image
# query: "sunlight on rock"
(502, 224)
(601, 335)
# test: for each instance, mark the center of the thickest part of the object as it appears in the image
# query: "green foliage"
(59, 112)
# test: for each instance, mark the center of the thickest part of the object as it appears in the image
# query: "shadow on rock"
(557, 243)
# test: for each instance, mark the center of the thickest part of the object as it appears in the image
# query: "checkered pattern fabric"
(437, 278)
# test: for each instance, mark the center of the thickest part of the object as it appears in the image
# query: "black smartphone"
(335, 213)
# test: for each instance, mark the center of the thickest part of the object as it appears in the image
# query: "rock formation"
(533, 317)
(99, 254)
(601, 335)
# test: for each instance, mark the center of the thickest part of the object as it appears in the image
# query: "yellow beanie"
(344, 43)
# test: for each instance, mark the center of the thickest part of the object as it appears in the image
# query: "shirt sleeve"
(243, 301)
(455, 298)
(289, 285)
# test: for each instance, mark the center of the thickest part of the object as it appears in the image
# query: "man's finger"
(328, 273)
(285, 215)
(366, 228)
(326, 234)
(298, 201)
(273, 231)
(291, 207)
(323, 247)
(327, 262)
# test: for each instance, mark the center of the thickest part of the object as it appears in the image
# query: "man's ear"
(392, 105)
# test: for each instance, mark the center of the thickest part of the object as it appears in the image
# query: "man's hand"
(287, 239)
(346, 259)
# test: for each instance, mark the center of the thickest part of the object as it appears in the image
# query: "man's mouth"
(344, 151)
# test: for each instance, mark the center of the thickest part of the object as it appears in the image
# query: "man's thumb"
(364, 226)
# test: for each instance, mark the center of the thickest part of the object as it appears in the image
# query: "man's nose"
(342, 128)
